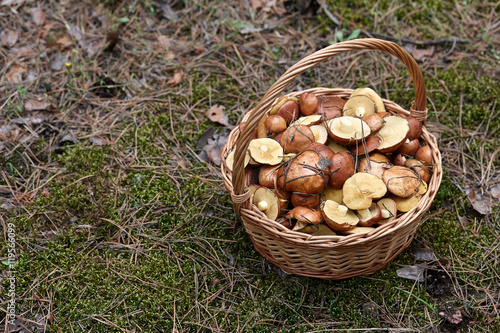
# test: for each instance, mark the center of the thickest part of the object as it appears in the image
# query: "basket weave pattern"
(329, 257)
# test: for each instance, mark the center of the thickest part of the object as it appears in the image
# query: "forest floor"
(119, 220)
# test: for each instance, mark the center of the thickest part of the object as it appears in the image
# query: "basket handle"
(240, 193)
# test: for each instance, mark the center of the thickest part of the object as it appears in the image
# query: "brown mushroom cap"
(369, 216)
(267, 202)
(348, 130)
(282, 100)
(296, 138)
(376, 164)
(289, 111)
(306, 173)
(267, 175)
(373, 95)
(305, 215)
(322, 149)
(342, 168)
(308, 103)
(367, 146)
(424, 154)
(374, 121)
(275, 124)
(358, 230)
(401, 181)
(305, 200)
(388, 210)
(327, 114)
(261, 130)
(417, 166)
(266, 151)
(318, 230)
(415, 126)
(409, 147)
(331, 193)
(320, 133)
(393, 134)
(359, 106)
(399, 159)
(360, 189)
(331, 102)
(338, 217)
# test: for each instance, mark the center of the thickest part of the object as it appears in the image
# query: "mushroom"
(304, 216)
(304, 200)
(359, 106)
(393, 134)
(401, 181)
(348, 130)
(266, 151)
(406, 204)
(338, 217)
(399, 159)
(409, 147)
(424, 154)
(358, 230)
(261, 131)
(369, 216)
(322, 149)
(376, 164)
(415, 126)
(417, 166)
(269, 203)
(252, 176)
(330, 107)
(388, 210)
(374, 121)
(360, 189)
(331, 193)
(313, 119)
(296, 138)
(279, 103)
(308, 103)
(320, 133)
(318, 230)
(267, 176)
(275, 124)
(373, 95)
(335, 147)
(289, 111)
(306, 173)
(366, 146)
(341, 168)
(230, 160)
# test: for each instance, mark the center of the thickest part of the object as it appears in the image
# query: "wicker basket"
(329, 257)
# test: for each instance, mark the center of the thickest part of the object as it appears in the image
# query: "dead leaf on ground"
(65, 42)
(15, 75)
(167, 11)
(177, 78)
(480, 202)
(38, 105)
(451, 314)
(8, 37)
(273, 7)
(37, 15)
(415, 273)
(217, 115)
(212, 150)
(424, 255)
(256, 4)
(421, 54)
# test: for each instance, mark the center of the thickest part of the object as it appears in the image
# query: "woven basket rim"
(274, 229)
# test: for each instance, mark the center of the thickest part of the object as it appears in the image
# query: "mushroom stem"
(360, 111)
(365, 214)
(342, 210)
(385, 213)
(263, 205)
(345, 125)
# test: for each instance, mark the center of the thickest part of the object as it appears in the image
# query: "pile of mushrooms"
(323, 165)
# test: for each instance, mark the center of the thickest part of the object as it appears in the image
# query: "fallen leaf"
(415, 273)
(217, 115)
(37, 15)
(424, 255)
(256, 4)
(495, 192)
(8, 37)
(38, 105)
(15, 75)
(65, 42)
(481, 203)
(21, 52)
(213, 148)
(273, 7)
(177, 78)
(167, 11)
(451, 314)
(421, 54)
